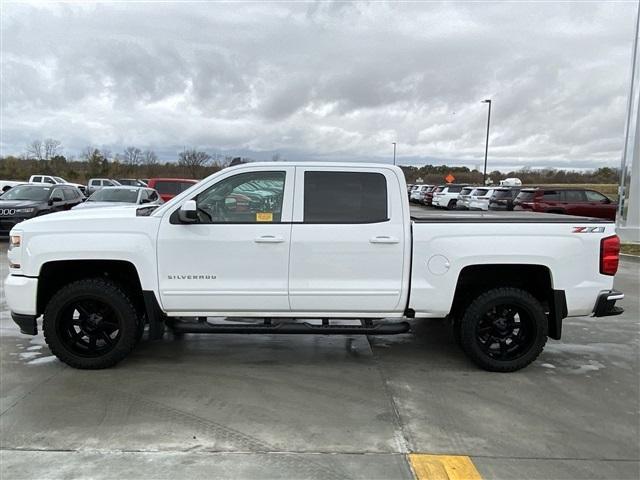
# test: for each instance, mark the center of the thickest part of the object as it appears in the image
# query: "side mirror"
(53, 200)
(188, 212)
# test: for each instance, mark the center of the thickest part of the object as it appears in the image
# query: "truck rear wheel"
(91, 324)
(504, 329)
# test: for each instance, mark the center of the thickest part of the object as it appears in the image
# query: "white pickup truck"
(296, 246)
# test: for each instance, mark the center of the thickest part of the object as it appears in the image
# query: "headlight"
(14, 241)
(25, 210)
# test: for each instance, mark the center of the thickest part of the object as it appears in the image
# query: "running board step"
(290, 328)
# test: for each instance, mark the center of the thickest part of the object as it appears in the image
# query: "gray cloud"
(322, 80)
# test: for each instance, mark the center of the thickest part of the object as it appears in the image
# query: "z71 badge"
(588, 230)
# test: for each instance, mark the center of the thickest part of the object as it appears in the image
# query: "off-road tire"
(106, 291)
(476, 310)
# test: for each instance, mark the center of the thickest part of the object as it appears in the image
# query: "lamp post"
(394, 152)
(486, 145)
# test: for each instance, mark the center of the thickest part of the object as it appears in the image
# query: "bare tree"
(131, 156)
(149, 158)
(51, 148)
(193, 160)
(44, 150)
(34, 150)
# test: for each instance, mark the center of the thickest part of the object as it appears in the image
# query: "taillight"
(609, 255)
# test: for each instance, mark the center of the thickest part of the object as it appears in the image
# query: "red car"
(570, 201)
(170, 187)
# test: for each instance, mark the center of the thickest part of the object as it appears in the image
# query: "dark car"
(502, 198)
(31, 200)
(170, 187)
(570, 201)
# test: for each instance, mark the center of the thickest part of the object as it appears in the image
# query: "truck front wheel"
(503, 329)
(91, 324)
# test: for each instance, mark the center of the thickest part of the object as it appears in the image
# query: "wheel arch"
(535, 279)
(54, 275)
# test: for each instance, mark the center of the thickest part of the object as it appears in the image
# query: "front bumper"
(21, 293)
(606, 304)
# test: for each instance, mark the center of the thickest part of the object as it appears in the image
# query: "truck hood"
(94, 220)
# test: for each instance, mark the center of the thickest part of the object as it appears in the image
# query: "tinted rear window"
(168, 187)
(504, 193)
(455, 189)
(480, 192)
(466, 191)
(344, 197)
(551, 195)
(526, 196)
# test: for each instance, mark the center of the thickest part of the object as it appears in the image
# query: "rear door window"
(37, 179)
(574, 196)
(551, 196)
(345, 197)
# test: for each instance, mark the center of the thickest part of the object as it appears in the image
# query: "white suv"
(447, 197)
(480, 198)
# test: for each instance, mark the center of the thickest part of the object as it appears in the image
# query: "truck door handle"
(269, 239)
(384, 239)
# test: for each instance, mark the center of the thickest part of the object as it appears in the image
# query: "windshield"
(125, 195)
(59, 179)
(27, 192)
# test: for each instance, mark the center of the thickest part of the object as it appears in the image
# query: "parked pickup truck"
(286, 242)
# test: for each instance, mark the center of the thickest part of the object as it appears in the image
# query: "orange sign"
(450, 178)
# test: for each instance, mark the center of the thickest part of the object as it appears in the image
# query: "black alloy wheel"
(503, 329)
(88, 327)
(92, 323)
(505, 332)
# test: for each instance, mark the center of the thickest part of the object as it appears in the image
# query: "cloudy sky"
(335, 81)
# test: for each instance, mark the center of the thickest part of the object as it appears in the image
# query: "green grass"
(630, 248)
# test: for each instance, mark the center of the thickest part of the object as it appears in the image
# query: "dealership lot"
(325, 407)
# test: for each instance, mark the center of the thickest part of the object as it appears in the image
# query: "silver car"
(114, 196)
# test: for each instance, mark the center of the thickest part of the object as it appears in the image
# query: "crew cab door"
(347, 241)
(236, 258)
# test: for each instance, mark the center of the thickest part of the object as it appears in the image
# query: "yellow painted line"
(443, 467)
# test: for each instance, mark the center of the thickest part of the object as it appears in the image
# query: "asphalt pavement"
(233, 406)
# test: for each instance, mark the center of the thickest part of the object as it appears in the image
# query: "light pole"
(486, 145)
(394, 152)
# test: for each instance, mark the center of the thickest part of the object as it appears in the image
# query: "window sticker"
(264, 217)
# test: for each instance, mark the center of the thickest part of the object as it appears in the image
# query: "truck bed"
(462, 216)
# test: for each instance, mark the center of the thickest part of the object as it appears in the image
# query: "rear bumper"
(606, 304)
